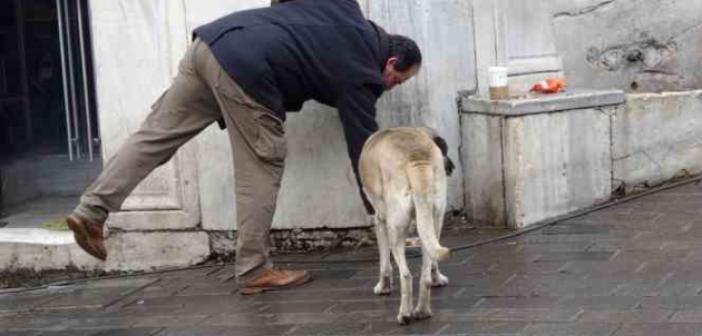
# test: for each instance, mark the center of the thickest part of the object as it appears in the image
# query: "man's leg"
(259, 148)
(184, 110)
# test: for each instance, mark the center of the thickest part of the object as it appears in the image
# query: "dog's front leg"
(384, 286)
(397, 239)
(423, 309)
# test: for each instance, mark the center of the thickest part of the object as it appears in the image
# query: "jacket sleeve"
(357, 113)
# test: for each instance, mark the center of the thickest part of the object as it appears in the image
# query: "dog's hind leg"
(423, 309)
(384, 286)
(438, 279)
(398, 221)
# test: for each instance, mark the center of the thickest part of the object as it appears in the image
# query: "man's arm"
(357, 113)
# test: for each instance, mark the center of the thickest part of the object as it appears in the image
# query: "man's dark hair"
(406, 51)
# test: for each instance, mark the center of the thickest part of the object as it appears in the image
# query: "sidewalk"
(634, 269)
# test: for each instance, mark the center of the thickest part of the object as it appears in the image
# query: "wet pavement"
(632, 269)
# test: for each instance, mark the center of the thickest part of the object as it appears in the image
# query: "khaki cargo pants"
(202, 93)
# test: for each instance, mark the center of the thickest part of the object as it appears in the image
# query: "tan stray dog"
(403, 172)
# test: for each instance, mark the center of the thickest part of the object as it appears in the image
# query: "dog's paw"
(439, 280)
(422, 314)
(383, 288)
(404, 319)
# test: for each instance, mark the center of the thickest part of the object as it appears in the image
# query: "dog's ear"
(448, 165)
(441, 143)
(443, 146)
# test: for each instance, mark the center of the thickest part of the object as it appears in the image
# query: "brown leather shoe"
(88, 236)
(272, 280)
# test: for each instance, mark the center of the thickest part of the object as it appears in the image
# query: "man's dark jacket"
(299, 50)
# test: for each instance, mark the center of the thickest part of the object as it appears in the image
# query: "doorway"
(49, 139)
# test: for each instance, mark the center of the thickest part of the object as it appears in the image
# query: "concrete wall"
(319, 188)
(657, 137)
(637, 46)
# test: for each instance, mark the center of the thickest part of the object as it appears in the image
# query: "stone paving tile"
(484, 328)
(576, 256)
(205, 304)
(600, 302)
(335, 328)
(660, 329)
(518, 302)
(71, 332)
(97, 295)
(522, 314)
(226, 331)
(35, 322)
(129, 332)
(578, 228)
(389, 326)
(672, 302)
(301, 307)
(571, 329)
(533, 268)
(691, 316)
(626, 316)
(149, 320)
(12, 304)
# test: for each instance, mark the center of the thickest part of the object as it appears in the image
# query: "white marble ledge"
(36, 237)
(547, 103)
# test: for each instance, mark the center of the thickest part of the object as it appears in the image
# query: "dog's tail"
(421, 179)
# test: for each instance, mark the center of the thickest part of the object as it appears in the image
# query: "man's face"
(392, 77)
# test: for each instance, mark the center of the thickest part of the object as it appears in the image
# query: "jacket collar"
(383, 45)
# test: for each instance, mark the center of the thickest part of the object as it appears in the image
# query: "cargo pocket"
(270, 144)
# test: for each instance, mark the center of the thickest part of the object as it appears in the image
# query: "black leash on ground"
(535, 227)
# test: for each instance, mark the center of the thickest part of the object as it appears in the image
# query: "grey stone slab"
(522, 314)
(71, 332)
(484, 328)
(340, 328)
(576, 256)
(658, 329)
(571, 329)
(224, 331)
(518, 302)
(577, 229)
(672, 302)
(389, 326)
(626, 316)
(204, 304)
(254, 319)
(687, 316)
(129, 332)
(35, 322)
(94, 298)
(680, 289)
(187, 319)
(601, 302)
(300, 307)
(19, 303)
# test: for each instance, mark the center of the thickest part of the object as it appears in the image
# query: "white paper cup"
(498, 83)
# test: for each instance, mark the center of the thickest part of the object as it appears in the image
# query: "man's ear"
(392, 61)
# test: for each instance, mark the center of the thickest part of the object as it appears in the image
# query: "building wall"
(319, 188)
(637, 46)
